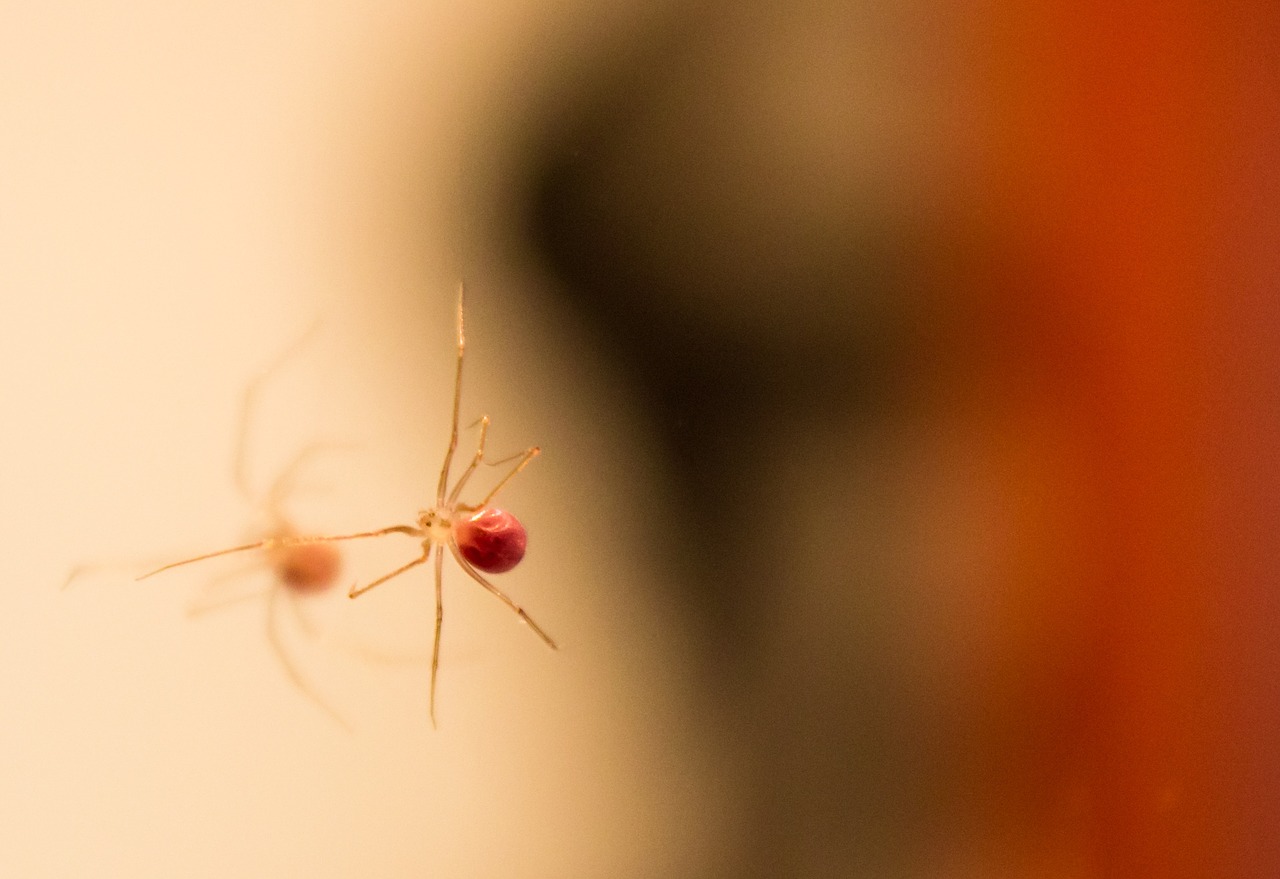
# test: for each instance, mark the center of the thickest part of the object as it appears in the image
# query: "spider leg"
(265, 543)
(475, 462)
(276, 542)
(361, 590)
(287, 481)
(209, 600)
(277, 645)
(304, 621)
(527, 456)
(248, 403)
(435, 647)
(502, 596)
(442, 488)
(87, 569)
(479, 459)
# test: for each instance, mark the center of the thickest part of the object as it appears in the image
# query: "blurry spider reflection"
(956, 387)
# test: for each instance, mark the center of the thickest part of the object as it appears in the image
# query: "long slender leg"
(209, 600)
(86, 569)
(529, 455)
(361, 590)
(502, 596)
(435, 647)
(79, 571)
(507, 460)
(239, 460)
(203, 607)
(457, 402)
(304, 621)
(278, 542)
(308, 626)
(277, 645)
(286, 482)
(479, 459)
(475, 461)
(265, 543)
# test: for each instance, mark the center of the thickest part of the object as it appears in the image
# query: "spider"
(479, 536)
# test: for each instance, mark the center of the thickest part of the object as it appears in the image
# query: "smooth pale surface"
(185, 189)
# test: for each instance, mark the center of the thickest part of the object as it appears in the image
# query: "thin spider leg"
(457, 402)
(278, 542)
(264, 543)
(357, 591)
(286, 482)
(303, 620)
(76, 573)
(204, 607)
(239, 465)
(480, 459)
(277, 645)
(209, 600)
(528, 455)
(85, 569)
(501, 596)
(435, 647)
(508, 459)
(80, 570)
(475, 462)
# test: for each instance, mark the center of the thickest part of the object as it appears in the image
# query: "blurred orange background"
(1141, 144)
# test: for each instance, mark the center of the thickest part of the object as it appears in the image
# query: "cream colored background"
(183, 189)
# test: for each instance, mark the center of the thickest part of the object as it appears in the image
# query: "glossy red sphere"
(492, 540)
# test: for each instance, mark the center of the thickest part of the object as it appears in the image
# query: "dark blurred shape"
(962, 328)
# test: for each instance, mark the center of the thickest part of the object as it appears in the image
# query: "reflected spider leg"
(286, 660)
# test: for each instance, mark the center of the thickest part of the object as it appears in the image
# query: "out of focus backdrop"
(906, 382)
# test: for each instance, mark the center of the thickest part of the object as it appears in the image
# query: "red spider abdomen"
(492, 540)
